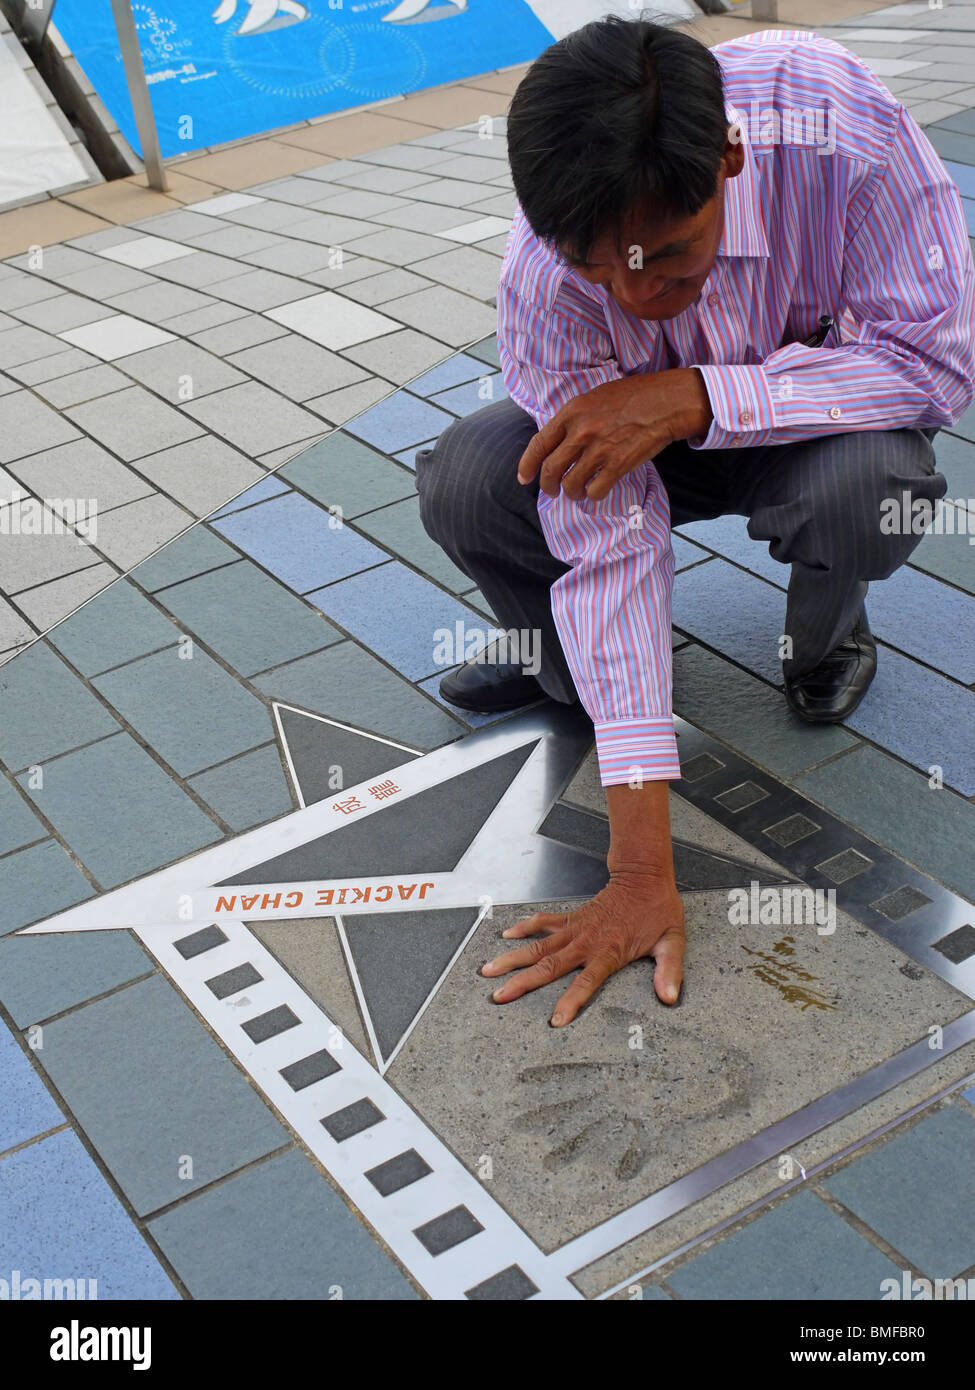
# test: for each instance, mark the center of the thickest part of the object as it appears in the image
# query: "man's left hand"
(605, 433)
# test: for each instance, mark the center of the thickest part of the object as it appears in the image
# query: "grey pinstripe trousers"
(817, 504)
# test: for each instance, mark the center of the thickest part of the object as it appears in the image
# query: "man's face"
(659, 270)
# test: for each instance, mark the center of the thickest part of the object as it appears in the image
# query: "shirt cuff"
(633, 751)
(742, 405)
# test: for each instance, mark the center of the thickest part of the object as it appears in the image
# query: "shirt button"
(745, 418)
(835, 412)
(714, 300)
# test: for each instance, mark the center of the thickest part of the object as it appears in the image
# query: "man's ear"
(733, 159)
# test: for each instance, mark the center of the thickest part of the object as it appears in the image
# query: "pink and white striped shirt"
(871, 229)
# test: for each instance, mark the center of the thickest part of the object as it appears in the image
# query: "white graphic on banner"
(262, 15)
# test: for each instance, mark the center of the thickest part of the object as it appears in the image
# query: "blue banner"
(222, 69)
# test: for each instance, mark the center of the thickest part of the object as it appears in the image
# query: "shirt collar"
(744, 226)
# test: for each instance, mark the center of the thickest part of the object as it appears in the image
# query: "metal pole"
(32, 21)
(765, 9)
(135, 76)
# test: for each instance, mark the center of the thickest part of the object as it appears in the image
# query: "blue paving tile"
(291, 537)
(148, 1084)
(965, 426)
(970, 1095)
(190, 711)
(196, 551)
(920, 717)
(968, 208)
(400, 529)
(114, 627)
(408, 456)
(799, 1250)
(964, 177)
(37, 882)
(464, 400)
(399, 421)
(18, 824)
(277, 1232)
(926, 619)
(45, 709)
(396, 613)
(63, 1221)
(342, 472)
(347, 683)
(260, 492)
(918, 1192)
(44, 975)
(450, 373)
(728, 535)
(119, 811)
(26, 1106)
(248, 791)
(739, 615)
(685, 553)
(247, 617)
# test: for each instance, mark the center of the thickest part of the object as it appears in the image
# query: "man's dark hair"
(621, 116)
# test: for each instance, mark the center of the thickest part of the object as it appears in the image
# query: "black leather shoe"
(836, 686)
(486, 687)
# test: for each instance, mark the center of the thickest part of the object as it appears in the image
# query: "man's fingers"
(539, 921)
(543, 972)
(568, 454)
(524, 955)
(540, 446)
(583, 987)
(669, 956)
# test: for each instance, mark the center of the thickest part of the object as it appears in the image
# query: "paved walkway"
(157, 724)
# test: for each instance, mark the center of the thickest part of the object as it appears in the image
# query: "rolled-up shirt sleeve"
(909, 284)
(612, 608)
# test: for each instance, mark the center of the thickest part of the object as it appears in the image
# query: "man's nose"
(638, 288)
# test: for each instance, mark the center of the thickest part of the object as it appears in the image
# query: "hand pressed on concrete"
(634, 916)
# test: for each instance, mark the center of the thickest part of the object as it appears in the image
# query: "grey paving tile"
(399, 615)
(298, 368)
(298, 541)
(105, 280)
(956, 460)
(81, 386)
(378, 289)
(400, 529)
(346, 683)
(486, 351)
(235, 241)
(947, 556)
(799, 1250)
(254, 417)
(140, 1116)
(27, 560)
(37, 882)
(262, 289)
(743, 712)
(180, 226)
(422, 217)
(380, 180)
(26, 344)
(144, 819)
(397, 246)
(297, 191)
(277, 1232)
(455, 193)
(495, 244)
(398, 356)
(950, 144)
(249, 790)
(267, 216)
(50, 602)
(897, 806)
(457, 319)
(122, 624)
(355, 202)
(474, 168)
(45, 709)
(497, 205)
(59, 364)
(276, 457)
(492, 146)
(105, 239)
(292, 257)
(17, 290)
(160, 302)
(196, 552)
(326, 228)
(190, 711)
(173, 369)
(201, 271)
(132, 423)
(61, 311)
(201, 474)
(338, 274)
(15, 630)
(404, 157)
(54, 262)
(340, 471)
(338, 407)
(247, 618)
(243, 332)
(465, 268)
(932, 1221)
(128, 534)
(269, 486)
(44, 975)
(19, 825)
(198, 320)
